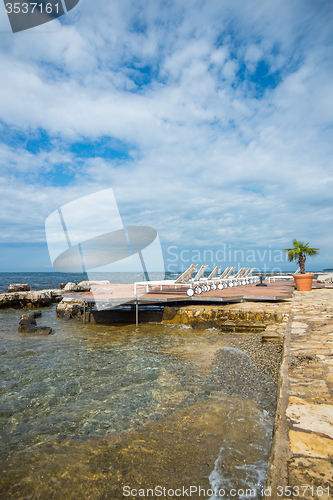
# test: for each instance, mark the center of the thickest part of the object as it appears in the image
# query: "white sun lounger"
(209, 279)
(225, 275)
(252, 279)
(235, 280)
(282, 276)
(182, 280)
(212, 274)
(221, 281)
(200, 273)
(247, 277)
(211, 283)
(227, 271)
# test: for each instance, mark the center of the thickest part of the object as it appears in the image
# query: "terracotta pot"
(303, 282)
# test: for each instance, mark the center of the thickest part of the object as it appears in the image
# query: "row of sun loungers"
(199, 284)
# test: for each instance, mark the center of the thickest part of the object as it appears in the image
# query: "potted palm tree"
(299, 252)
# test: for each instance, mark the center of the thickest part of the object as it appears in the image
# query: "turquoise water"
(73, 403)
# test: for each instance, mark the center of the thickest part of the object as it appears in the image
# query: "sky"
(212, 121)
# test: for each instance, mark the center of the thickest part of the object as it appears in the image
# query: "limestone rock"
(27, 319)
(18, 287)
(75, 287)
(70, 309)
(93, 283)
(30, 316)
(69, 287)
(33, 299)
(83, 286)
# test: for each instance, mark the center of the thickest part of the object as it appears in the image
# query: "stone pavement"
(301, 459)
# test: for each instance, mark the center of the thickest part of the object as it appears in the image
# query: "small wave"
(244, 468)
(236, 351)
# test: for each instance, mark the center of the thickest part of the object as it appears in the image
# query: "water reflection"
(94, 407)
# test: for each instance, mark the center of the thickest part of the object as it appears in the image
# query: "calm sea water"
(43, 281)
(94, 409)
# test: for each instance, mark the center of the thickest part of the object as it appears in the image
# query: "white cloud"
(213, 159)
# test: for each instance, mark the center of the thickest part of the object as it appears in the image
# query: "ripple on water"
(94, 407)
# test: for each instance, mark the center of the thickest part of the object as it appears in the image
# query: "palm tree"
(299, 252)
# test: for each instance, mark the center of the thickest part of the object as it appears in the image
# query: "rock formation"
(41, 298)
(93, 283)
(18, 287)
(28, 324)
(70, 309)
(76, 287)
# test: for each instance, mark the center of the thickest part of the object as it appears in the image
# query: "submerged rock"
(27, 319)
(28, 324)
(37, 330)
(31, 315)
(18, 287)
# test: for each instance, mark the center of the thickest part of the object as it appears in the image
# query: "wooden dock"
(104, 297)
(119, 293)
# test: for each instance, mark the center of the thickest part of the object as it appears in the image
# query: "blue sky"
(212, 122)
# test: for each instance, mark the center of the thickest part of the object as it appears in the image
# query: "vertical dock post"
(84, 312)
(136, 313)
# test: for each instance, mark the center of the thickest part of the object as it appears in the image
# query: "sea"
(45, 281)
(100, 411)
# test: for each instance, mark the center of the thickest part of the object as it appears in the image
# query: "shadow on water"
(93, 409)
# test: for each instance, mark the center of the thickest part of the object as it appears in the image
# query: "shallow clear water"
(94, 408)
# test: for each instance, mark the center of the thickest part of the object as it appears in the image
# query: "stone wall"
(240, 317)
(302, 448)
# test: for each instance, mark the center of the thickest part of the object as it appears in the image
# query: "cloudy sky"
(211, 120)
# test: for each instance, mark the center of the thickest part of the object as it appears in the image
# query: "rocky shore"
(19, 295)
(41, 298)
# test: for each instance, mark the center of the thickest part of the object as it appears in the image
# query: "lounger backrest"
(214, 271)
(239, 273)
(230, 270)
(222, 275)
(245, 272)
(200, 273)
(183, 278)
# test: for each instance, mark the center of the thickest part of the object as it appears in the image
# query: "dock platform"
(119, 293)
